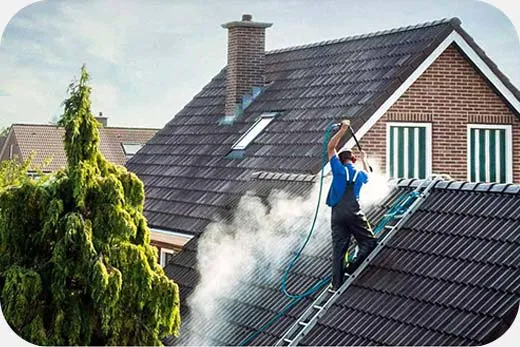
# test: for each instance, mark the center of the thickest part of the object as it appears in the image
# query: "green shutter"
(492, 156)
(411, 152)
(487, 155)
(422, 152)
(473, 174)
(406, 151)
(391, 150)
(502, 155)
(482, 155)
(400, 153)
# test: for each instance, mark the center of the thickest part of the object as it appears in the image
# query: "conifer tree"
(76, 265)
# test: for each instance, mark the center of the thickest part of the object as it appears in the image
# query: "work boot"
(331, 288)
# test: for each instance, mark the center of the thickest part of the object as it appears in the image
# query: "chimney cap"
(102, 119)
(247, 21)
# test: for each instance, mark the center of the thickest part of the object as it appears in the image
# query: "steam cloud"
(228, 253)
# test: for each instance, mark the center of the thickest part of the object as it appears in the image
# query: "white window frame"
(251, 134)
(428, 143)
(165, 251)
(509, 147)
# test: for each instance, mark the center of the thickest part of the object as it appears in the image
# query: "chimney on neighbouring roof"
(102, 119)
(246, 55)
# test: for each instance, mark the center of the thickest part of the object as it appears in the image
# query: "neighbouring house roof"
(2, 141)
(449, 276)
(190, 180)
(46, 142)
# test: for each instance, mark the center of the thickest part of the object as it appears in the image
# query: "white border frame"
(456, 38)
(509, 147)
(265, 115)
(164, 251)
(428, 143)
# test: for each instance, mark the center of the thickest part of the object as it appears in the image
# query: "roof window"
(237, 150)
(131, 149)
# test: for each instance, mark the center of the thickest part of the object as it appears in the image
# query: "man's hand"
(333, 143)
(344, 125)
(363, 157)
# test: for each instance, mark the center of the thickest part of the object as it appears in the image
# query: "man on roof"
(347, 217)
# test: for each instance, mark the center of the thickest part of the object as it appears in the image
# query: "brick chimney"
(246, 56)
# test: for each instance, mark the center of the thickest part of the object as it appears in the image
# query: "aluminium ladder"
(322, 303)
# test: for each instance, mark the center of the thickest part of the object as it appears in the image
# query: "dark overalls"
(348, 219)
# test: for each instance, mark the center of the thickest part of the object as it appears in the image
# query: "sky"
(148, 58)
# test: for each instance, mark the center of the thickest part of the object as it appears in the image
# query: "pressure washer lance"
(338, 125)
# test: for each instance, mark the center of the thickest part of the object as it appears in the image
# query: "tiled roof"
(449, 276)
(46, 141)
(188, 180)
(2, 141)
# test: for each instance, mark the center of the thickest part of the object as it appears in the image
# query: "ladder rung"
(331, 291)
(389, 226)
(317, 307)
(303, 324)
(288, 341)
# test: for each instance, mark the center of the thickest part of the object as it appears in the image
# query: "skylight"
(262, 122)
(131, 148)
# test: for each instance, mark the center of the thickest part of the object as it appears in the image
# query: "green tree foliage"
(76, 265)
(13, 172)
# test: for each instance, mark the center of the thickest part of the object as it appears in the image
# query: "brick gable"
(449, 94)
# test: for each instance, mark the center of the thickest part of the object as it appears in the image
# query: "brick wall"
(246, 59)
(450, 94)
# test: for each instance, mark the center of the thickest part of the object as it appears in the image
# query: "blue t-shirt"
(339, 180)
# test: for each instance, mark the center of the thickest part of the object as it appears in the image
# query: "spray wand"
(337, 125)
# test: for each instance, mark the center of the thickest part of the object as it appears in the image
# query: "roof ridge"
(58, 127)
(454, 21)
(509, 188)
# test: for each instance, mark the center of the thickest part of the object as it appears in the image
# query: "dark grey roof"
(188, 180)
(450, 276)
(463, 263)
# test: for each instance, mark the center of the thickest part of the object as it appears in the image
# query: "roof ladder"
(324, 301)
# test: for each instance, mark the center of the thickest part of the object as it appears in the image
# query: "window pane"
(253, 132)
(131, 148)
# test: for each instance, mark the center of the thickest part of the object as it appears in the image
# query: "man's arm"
(363, 156)
(333, 143)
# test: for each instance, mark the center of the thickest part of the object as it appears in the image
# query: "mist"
(259, 238)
